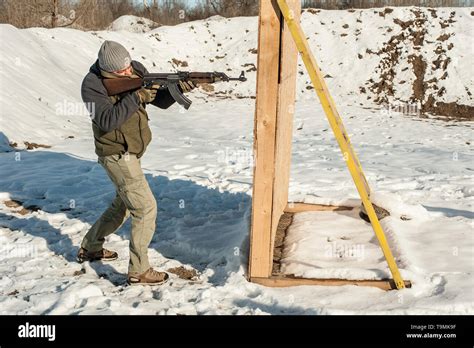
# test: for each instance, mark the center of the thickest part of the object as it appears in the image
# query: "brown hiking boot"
(103, 255)
(150, 277)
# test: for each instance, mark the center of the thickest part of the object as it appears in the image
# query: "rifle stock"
(122, 85)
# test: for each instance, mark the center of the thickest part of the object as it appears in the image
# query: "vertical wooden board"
(284, 126)
(341, 135)
(260, 260)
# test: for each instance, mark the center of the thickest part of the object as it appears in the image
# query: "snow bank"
(342, 245)
(133, 24)
(369, 57)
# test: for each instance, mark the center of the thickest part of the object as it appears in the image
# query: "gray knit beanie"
(113, 57)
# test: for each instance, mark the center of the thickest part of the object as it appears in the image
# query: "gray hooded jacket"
(120, 123)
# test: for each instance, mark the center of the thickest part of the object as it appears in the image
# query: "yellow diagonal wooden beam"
(341, 135)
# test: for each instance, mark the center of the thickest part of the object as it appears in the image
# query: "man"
(121, 135)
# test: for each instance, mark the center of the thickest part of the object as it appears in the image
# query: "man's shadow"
(200, 226)
(60, 244)
(196, 225)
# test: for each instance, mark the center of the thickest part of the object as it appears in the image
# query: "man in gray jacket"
(121, 136)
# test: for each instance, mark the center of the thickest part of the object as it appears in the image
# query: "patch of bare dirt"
(207, 87)
(425, 91)
(385, 12)
(251, 67)
(390, 54)
(285, 221)
(447, 22)
(403, 24)
(21, 210)
(443, 37)
(13, 203)
(419, 69)
(17, 207)
(239, 96)
(451, 110)
(79, 273)
(429, 104)
(32, 146)
(312, 11)
(433, 12)
(179, 63)
(184, 273)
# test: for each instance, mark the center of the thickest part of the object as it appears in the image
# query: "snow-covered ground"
(132, 24)
(199, 166)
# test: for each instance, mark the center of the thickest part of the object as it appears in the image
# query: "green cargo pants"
(133, 198)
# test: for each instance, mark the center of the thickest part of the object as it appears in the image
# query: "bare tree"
(233, 8)
(51, 13)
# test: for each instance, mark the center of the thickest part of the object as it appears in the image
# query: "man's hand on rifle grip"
(186, 86)
(146, 95)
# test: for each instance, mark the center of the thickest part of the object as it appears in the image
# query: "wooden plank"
(284, 125)
(287, 281)
(302, 207)
(340, 133)
(260, 260)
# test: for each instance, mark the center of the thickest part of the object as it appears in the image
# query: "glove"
(146, 95)
(186, 86)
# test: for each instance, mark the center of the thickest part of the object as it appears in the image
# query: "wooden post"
(279, 41)
(284, 126)
(276, 80)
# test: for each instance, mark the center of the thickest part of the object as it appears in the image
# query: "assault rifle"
(168, 81)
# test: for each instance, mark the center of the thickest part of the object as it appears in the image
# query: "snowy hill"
(133, 24)
(199, 166)
(368, 56)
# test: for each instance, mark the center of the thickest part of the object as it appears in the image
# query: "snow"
(341, 245)
(199, 166)
(332, 245)
(132, 24)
